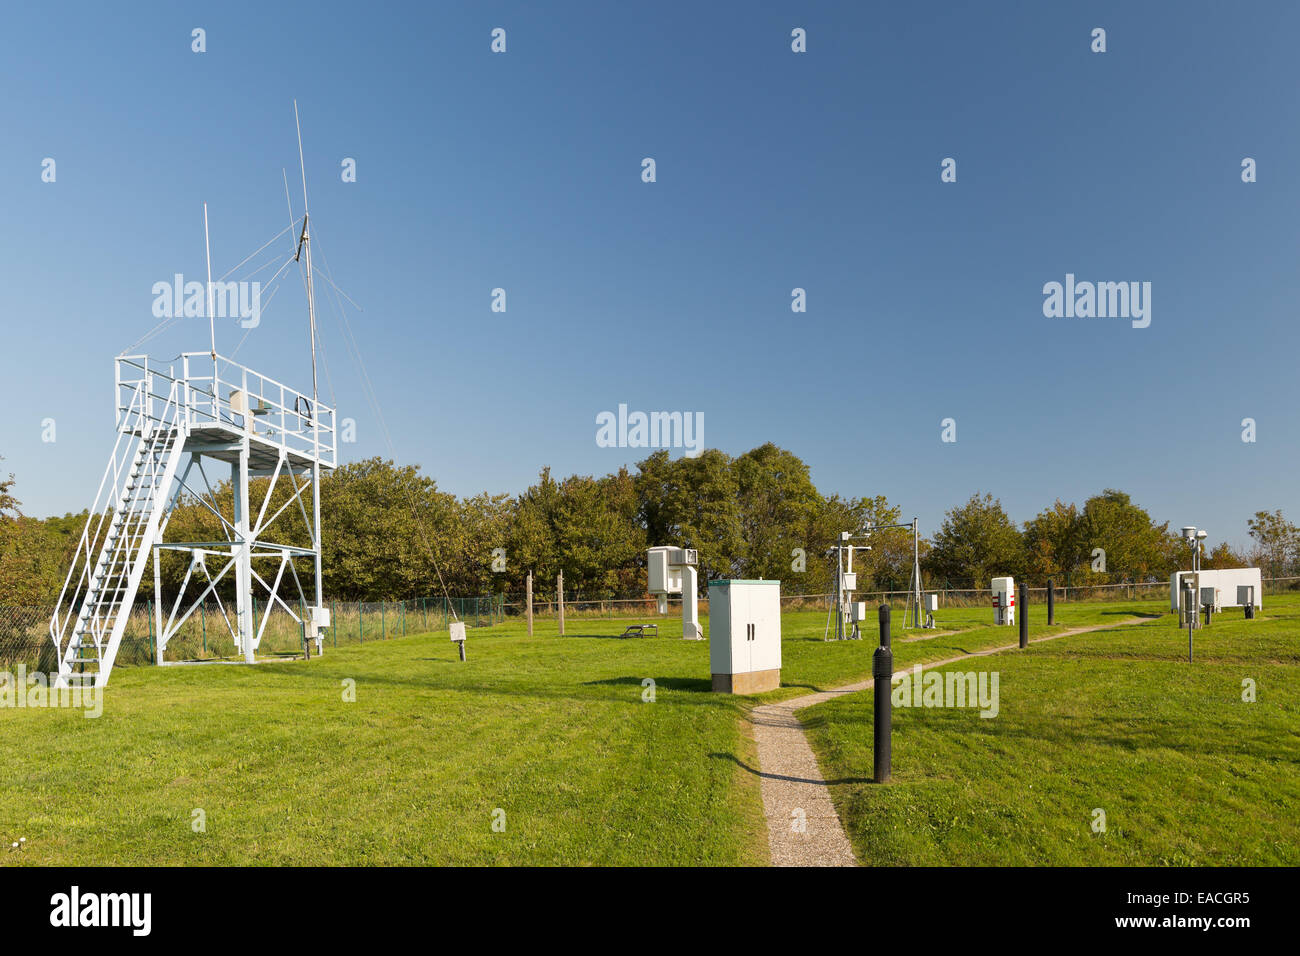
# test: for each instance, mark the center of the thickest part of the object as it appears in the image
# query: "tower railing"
(224, 393)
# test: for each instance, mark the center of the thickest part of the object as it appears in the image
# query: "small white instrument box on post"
(1004, 600)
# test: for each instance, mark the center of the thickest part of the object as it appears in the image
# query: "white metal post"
(690, 605)
(839, 589)
(917, 620)
(242, 545)
(243, 555)
(157, 605)
(1196, 584)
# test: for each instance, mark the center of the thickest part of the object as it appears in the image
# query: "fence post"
(528, 599)
(1051, 603)
(559, 596)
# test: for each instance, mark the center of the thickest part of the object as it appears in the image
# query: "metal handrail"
(276, 413)
(83, 567)
(83, 556)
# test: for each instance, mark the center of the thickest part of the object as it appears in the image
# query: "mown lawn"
(552, 731)
(1186, 772)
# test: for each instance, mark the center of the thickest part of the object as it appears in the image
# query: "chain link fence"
(980, 597)
(207, 633)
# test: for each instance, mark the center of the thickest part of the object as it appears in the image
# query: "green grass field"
(1186, 772)
(554, 732)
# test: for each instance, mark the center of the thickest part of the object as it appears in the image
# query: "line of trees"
(388, 531)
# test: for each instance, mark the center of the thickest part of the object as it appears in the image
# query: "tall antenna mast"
(212, 327)
(304, 242)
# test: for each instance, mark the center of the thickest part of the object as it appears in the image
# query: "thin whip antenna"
(288, 202)
(305, 241)
(212, 326)
(301, 164)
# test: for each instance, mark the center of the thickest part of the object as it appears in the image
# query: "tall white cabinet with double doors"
(745, 636)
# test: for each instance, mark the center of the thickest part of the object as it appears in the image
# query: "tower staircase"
(130, 511)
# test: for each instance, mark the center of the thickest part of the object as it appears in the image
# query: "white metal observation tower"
(175, 422)
(178, 421)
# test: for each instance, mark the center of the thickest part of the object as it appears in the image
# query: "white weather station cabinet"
(745, 636)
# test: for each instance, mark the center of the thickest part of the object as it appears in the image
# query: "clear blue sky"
(775, 171)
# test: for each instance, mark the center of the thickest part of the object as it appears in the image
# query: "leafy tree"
(387, 528)
(1223, 556)
(694, 503)
(586, 526)
(878, 567)
(32, 562)
(1275, 541)
(596, 532)
(8, 503)
(777, 499)
(1134, 544)
(532, 544)
(31, 555)
(976, 542)
(1054, 544)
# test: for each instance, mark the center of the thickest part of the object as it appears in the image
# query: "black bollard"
(1024, 616)
(882, 669)
(1051, 603)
